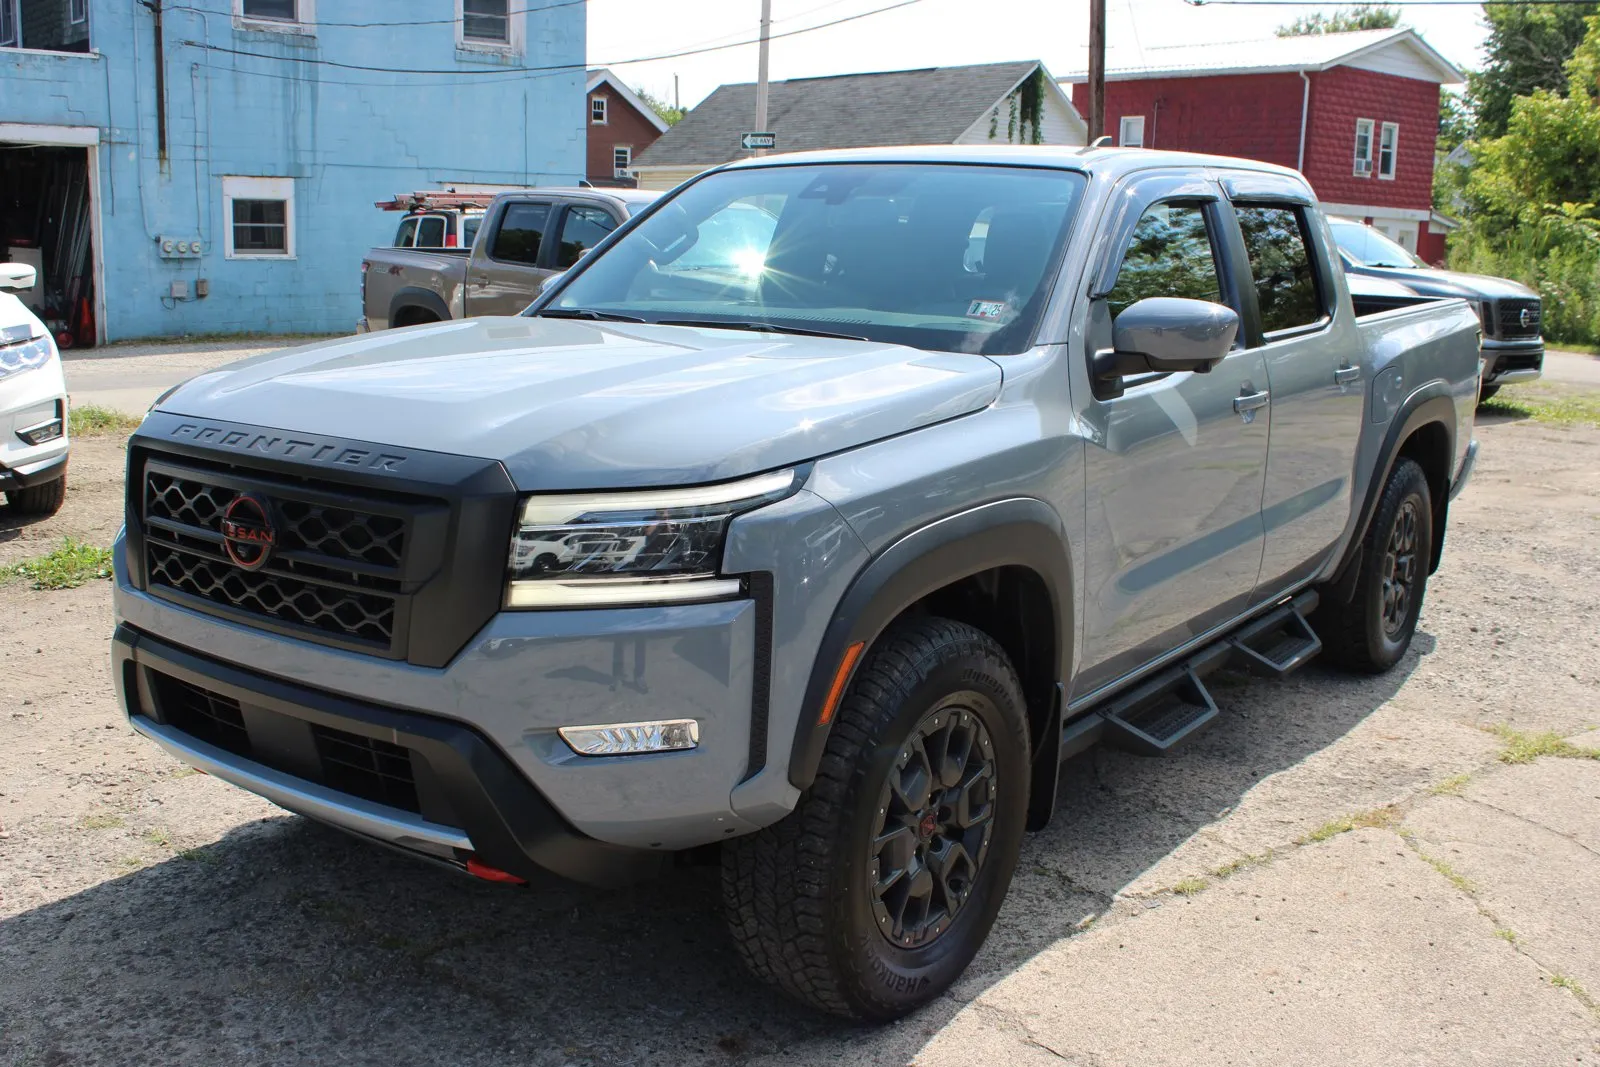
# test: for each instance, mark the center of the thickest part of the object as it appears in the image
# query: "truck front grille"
(1513, 324)
(333, 572)
(211, 717)
(366, 767)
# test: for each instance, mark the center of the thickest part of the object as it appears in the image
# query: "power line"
(1386, 3)
(551, 67)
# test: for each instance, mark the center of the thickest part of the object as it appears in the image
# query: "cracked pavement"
(1366, 882)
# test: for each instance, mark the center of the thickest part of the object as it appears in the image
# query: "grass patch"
(1243, 863)
(1525, 748)
(1572, 346)
(103, 821)
(1453, 876)
(1190, 886)
(158, 837)
(1556, 409)
(74, 563)
(1450, 787)
(1508, 936)
(200, 855)
(91, 420)
(1376, 819)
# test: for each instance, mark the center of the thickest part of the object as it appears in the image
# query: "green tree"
(669, 114)
(1527, 49)
(1530, 197)
(1359, 17)
(1455, 121)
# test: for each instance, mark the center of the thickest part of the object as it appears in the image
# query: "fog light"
(631, 738)
(41, 432)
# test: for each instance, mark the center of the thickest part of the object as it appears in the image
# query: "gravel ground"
(149, 914)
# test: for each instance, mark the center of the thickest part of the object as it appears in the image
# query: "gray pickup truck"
(817, 552)
(523, 239)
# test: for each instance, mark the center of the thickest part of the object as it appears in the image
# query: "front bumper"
(299, 748)
(1509, 362)
(29, 400)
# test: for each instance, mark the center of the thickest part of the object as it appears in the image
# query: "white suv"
(33, 404)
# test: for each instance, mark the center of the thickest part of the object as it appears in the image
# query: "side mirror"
(17, 276)
(1165, 334)
(548, 282)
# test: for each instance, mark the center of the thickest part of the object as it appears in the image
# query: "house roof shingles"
(1305, 52)
(930, 106)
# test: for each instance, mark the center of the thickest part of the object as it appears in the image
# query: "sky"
(929, 33)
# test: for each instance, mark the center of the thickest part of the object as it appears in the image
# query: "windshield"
(938, 257)
(1370, 248)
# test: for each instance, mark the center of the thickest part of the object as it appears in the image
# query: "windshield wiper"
(762, 327)
(588, 313)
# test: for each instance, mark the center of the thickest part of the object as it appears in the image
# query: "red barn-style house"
(1357, 113)
(620, 124)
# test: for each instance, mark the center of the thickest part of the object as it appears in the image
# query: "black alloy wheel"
(935, 820)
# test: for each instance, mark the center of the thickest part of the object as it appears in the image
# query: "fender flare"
(1430, 403)
(415, 296)
(1022, 531)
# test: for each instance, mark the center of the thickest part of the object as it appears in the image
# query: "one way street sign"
(752, 141)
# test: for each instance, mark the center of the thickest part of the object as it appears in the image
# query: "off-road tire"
(39, 500)
(1354, 634)
(1486, 393)
(798, 895)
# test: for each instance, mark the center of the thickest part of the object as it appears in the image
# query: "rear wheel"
(1372, 631)
(875, 893)
(43, 499)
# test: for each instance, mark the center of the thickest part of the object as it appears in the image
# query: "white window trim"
(1394, 151)
(1372, 133)
(16, 23)
(516, 24)
(619, 168)
(305, 20)
(1122, 131)
(236, 187)
(605, 109)
(78, 21)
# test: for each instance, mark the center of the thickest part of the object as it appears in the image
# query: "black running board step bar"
(1155, 718)
(1281, 641)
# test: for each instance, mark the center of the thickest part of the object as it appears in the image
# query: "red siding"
(1256, 116)
(1430, 245)
(624, 126)
(1344, 94)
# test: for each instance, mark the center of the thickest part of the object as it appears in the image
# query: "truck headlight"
(30, 354)
(658, 546)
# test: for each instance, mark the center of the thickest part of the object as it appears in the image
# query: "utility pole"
(1097, 69)
(761, 74)
(677, 102)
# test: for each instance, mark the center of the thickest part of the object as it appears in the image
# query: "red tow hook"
(479, 869)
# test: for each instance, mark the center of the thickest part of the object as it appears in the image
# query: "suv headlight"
(31, 353)
(659, 546)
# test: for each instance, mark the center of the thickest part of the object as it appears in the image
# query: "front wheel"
(875, 893)
(1371, 632)
(38, 501)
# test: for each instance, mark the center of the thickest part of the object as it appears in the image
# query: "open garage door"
(46, 220)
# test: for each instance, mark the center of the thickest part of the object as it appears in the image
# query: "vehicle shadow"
(287, 942)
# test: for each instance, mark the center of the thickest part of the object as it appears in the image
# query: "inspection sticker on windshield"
(986, 309)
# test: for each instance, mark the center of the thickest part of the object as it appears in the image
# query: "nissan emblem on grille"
(247, 532)
(1526, 318)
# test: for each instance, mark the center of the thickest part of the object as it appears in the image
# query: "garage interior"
(45, 222)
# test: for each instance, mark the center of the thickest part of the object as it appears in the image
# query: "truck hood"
(1453, 283)
(568, 404)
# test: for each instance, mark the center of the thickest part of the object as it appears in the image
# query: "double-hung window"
(1363, 164)
(293, 13)
(486, 22)
(259, 213)
(597, 110)
(1388, 149)
(621, 160)
(1130, 132)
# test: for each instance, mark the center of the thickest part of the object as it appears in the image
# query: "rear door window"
(1282, 265)
(430, 232)
(1169, 254)
(521, 233)
(583, 228)
(406, 235)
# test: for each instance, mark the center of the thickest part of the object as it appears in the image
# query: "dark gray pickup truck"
(809, 522)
